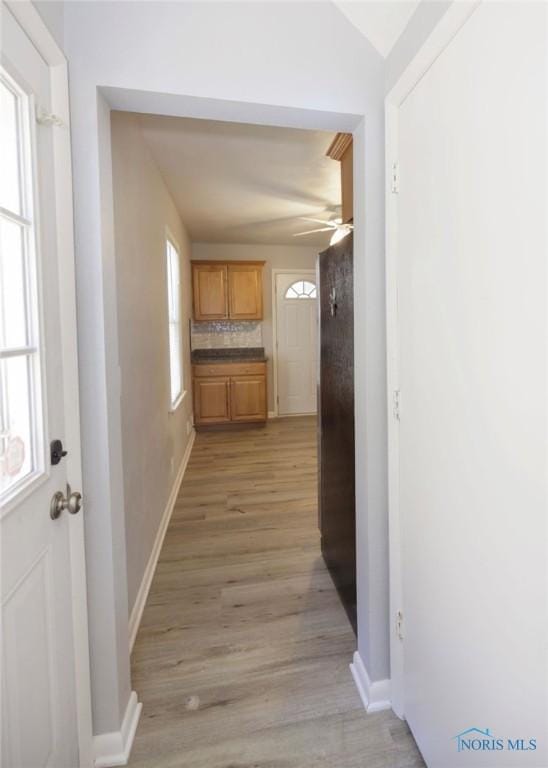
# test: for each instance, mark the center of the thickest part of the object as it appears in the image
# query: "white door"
(296, 335)
(472, 298)
(45, 668)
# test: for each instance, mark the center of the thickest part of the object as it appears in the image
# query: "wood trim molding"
(339, 145)
(233, 262)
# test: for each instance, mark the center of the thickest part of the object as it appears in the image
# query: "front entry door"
(45, 667)
(296, 334)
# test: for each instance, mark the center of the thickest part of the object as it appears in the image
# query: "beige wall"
(153, 439)
(276, 257)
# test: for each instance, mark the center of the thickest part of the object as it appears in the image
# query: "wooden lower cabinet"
(212, 400)
(248, 398)
(220, 398)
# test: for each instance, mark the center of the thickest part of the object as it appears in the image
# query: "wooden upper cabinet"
(341, 149)
(245, 291)
(227, 290)
(210, 291)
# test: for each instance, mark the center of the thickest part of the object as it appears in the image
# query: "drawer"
(228, 369)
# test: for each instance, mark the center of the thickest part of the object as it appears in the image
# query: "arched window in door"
(301, 289)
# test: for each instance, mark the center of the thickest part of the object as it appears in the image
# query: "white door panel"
(30, 695)
(473, 349)
(39, 697)
(296, 333)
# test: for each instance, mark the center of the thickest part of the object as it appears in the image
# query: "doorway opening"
(242, 553)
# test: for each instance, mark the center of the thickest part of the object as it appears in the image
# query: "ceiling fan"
(335, 226)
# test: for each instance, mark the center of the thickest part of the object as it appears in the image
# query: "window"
(302, 289)
(174, 317)
(21, 424)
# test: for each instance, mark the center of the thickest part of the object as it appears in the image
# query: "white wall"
(291, 64)
(53, 16)
(420, 25)
(276, 257)
(153, 438)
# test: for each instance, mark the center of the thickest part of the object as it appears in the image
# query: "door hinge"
(396, 404)
(395, 179)
(43, 117)
(399, 625)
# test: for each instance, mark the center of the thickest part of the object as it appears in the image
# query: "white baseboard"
(111, 749)
(272, 414)
(140, 600)
(375, 696)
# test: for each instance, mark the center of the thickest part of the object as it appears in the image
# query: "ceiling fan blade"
(312, 231)
(330, 224)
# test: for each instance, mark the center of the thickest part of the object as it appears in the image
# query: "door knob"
(72, 502)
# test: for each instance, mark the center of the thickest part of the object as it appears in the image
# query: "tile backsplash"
(217, 334)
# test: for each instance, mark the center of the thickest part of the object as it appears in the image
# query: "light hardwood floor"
(242, 656)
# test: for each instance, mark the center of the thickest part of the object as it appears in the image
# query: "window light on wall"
(174, 318)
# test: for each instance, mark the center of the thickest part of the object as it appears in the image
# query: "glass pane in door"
(21, 423)
(10, 158)
(16, 443)
(13, 293)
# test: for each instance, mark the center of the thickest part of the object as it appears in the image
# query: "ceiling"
(236, 183)
(382, 22)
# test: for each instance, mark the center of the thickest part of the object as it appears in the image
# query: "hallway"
(242, 656)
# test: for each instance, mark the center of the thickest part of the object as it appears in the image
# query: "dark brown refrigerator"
(337, 517)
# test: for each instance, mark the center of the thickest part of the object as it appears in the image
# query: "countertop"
(229, 355)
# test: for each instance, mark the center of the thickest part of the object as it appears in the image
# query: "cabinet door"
(248, 398)
(210, 291)
(212, 400)
(245, 288)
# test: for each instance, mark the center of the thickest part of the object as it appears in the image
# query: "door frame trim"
(275, 273)
(100, 363)
(442, 35)
(32, 24)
